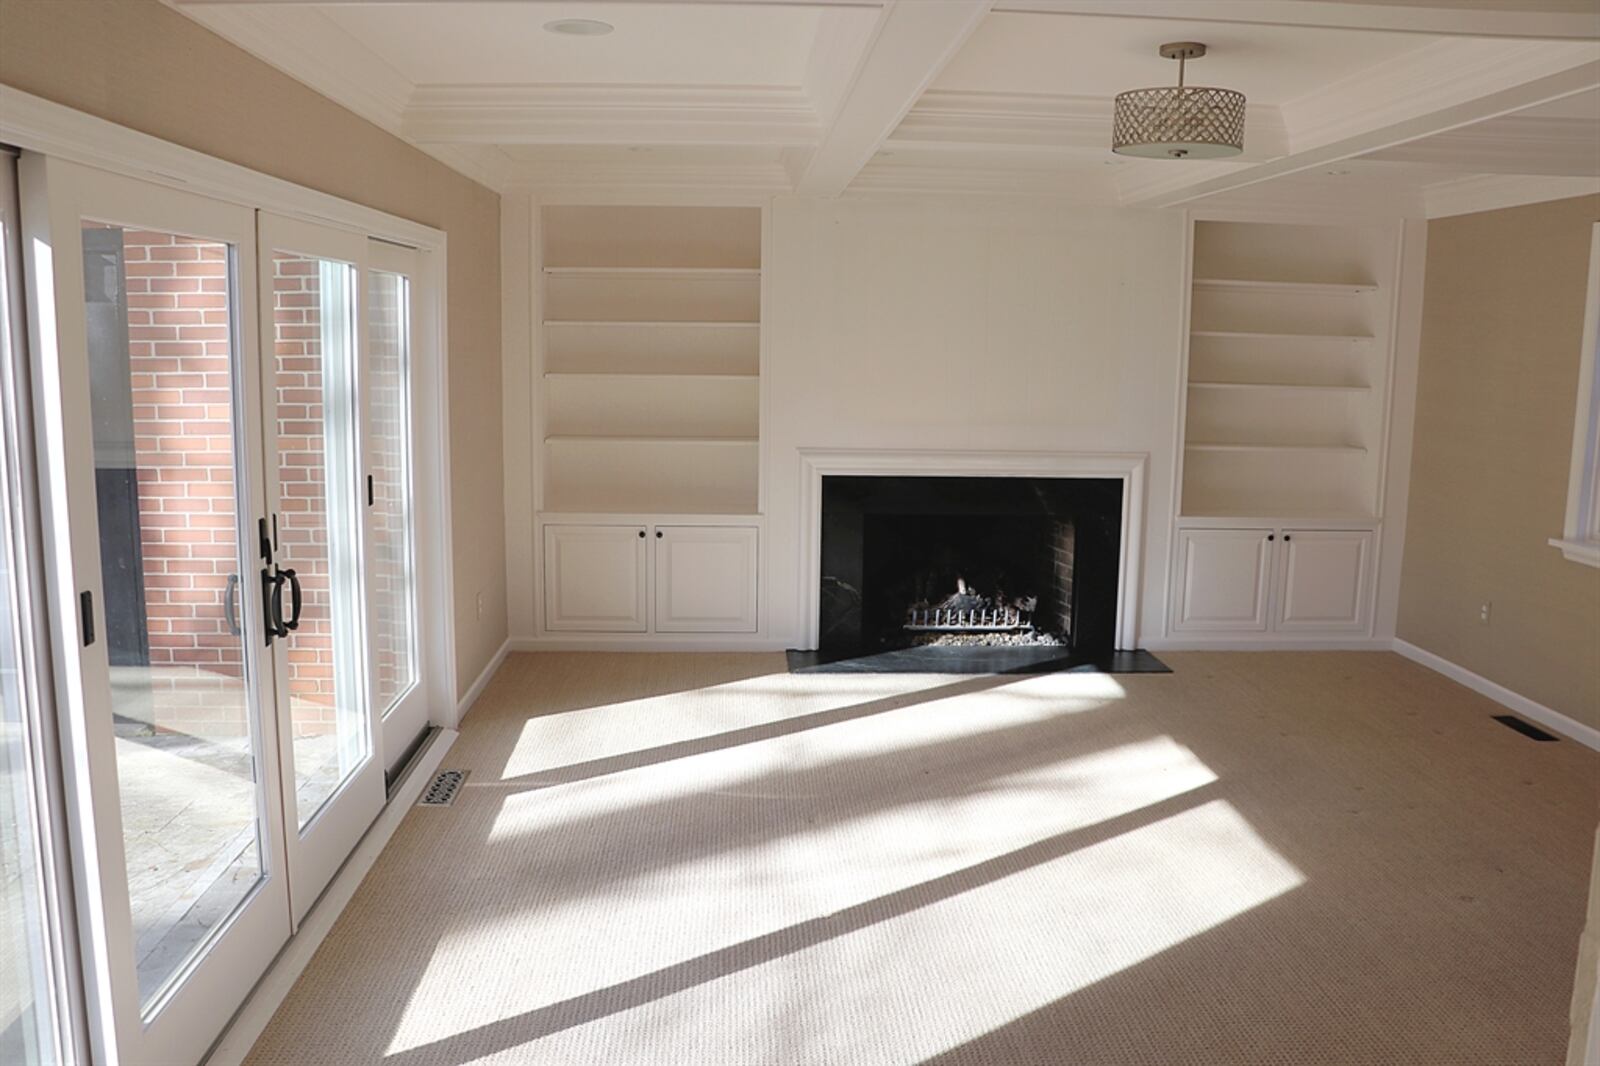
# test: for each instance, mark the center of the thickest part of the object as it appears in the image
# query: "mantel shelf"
(1243, 334)
(641, 271)
(624, 324)
(1287, 288)
(1219, 446)
(1277, 386)
(613, 375)
(603, 439)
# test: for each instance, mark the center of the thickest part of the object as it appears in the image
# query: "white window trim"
(1580, 535)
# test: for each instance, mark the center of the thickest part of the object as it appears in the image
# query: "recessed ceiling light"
(580, 27)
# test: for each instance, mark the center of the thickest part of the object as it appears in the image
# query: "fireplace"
(969, 561)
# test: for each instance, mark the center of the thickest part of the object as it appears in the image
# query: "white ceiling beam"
(1441, 87)
(911, 44)
(1550, 20)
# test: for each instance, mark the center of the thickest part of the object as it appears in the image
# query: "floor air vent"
(1527, 729)
(442, 790)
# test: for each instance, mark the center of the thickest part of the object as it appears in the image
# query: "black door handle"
(272, 605)
(230, 605)
(296, 599)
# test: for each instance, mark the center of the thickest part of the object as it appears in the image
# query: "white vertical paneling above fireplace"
(962, 327)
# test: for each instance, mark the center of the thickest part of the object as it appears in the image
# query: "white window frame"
(1580, 535)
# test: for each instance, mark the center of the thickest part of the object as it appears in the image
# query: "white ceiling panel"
(503, 44)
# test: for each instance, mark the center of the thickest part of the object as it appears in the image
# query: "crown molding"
(314, 50)
(1436, 76)
(957, 120)
(1490, 192)
(1531, 74)
(1510, 145)
(580, 181)
(611, 115)
(885, 176)
(1512, 19)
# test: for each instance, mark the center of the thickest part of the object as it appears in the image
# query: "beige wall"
(140, 64)
(1501, 333)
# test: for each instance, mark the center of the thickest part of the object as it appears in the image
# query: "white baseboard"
(1538, 712)
(1278, 643)
(470, 697)
(268, 995)
(633, 642)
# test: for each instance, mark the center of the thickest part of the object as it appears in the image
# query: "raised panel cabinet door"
(1223, 580)
(1324, 582)
(705, 579)
(594, 578)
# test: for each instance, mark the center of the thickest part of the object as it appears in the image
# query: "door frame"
(187, 1016)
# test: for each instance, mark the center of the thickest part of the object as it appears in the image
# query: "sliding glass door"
(225, 429)
(165, 596)
(315, 418)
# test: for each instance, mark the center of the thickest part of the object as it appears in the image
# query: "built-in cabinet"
(650, 578)
(1287, 381)
(650, 399)
(1273, 580)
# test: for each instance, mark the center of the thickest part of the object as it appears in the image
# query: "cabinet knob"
(641, 534)
(1287, 538)
(659, 534)
(1271, 537)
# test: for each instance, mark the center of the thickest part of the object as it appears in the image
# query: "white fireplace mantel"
(1128, 467)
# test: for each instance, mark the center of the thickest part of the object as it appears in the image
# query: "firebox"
(969, 561)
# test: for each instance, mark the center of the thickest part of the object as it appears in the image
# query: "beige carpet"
(1261, 858)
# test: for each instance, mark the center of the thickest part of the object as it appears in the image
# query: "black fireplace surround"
(994, 544)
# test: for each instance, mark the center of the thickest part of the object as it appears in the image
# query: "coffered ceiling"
(1413, 105)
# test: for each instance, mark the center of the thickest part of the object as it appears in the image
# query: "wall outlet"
(1483, 613)
(480, 606)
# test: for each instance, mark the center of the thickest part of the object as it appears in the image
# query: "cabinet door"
(705, 579)
(1323, 585)
(594, 578)
(1222, 580)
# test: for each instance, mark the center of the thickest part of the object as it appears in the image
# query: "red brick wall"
(180, 362)
(302, 500)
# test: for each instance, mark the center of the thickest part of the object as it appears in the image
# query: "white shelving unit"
(652, 343)
(1287, 371)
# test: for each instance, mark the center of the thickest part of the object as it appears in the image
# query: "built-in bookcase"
(1288, 370)
(652, 343)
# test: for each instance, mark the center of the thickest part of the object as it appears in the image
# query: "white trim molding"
(1580, 533)
(1131, 468)
(1491, 192)
(1586, 735)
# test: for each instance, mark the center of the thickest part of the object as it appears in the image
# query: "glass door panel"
(391, 567)
(317, 529)
(162, 361)
(154, 503)
(316, 431)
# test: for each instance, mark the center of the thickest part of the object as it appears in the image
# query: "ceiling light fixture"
(579, 27)
(1179, 121)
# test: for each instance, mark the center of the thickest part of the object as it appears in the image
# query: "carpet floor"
(1275, 858)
